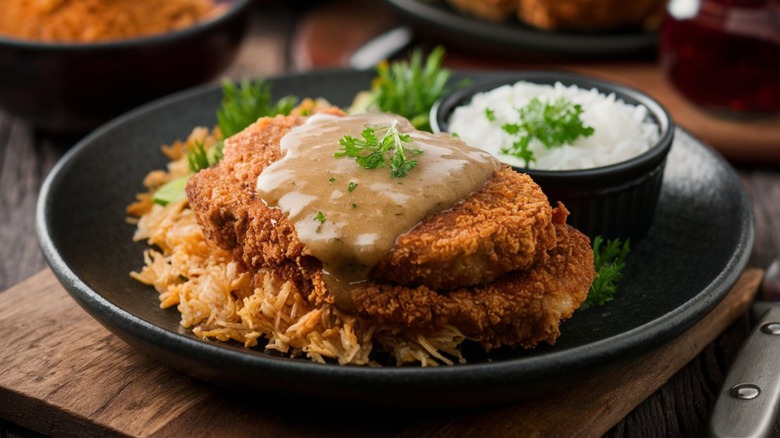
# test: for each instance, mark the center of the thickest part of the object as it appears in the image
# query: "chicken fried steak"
(522, 307)
(494, 265)
(503, 227)
(223, 199)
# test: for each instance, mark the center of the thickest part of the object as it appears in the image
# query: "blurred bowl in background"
(439, 22)
(71, 88)
(614, 201)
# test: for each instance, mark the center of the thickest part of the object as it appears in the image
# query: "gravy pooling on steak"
(350, 231)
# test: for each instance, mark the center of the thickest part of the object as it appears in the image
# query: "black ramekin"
(615, 201)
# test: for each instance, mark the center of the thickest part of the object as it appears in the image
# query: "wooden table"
(281, 40)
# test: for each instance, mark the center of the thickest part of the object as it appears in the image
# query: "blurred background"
(714, 62)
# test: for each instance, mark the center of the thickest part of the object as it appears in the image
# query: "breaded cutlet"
(494, 266)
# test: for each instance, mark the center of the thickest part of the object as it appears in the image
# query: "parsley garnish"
(374, 149)
(351, 186)
(490, 114)
(552, 123)
(411, 88)
(242, 105)
(609, 261)
(331, 179)
(246, 102)
(200, 158)
(320, 217)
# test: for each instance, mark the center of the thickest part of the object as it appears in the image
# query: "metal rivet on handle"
(745, 391)
(771, 328)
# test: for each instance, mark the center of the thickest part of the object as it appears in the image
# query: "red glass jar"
(724, 55)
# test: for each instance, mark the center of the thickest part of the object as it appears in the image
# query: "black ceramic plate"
(450, 24)
(694, 252)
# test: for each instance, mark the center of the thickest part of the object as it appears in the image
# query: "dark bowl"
(71, 88)
(615, 201)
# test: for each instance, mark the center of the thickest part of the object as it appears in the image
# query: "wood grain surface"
(678, 408)
(75, 378)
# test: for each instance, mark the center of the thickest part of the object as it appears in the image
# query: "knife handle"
(747, 405)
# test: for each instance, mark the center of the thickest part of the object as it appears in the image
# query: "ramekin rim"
(652, 156)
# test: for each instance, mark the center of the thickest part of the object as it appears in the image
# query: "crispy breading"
(576, 15)
(523, 307)
(494, 10)
(591, 15)
(503, 227)
(223, 199)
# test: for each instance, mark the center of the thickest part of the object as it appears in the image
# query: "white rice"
(621, 130)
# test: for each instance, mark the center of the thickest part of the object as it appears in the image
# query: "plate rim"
(510, 372)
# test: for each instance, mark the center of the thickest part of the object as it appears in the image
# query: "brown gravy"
(350, 230)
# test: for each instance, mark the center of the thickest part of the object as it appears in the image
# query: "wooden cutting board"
(63, 374)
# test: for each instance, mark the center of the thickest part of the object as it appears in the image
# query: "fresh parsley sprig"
(609, 260)
(242, 104)
(410, 88)
(552, 123)
(375, 149)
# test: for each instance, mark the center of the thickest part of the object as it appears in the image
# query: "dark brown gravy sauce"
(356, 228)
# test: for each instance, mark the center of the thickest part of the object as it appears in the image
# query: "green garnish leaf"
(375, 150)
(410, 88)
(172, 191)
(609, 261)
(511, 128)
(552, 123)
(200, 158)
(490, 114)
(331, 179)
(520, 150)
(244, 103)
(351, 186)
(320, 217)
(214, 153)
